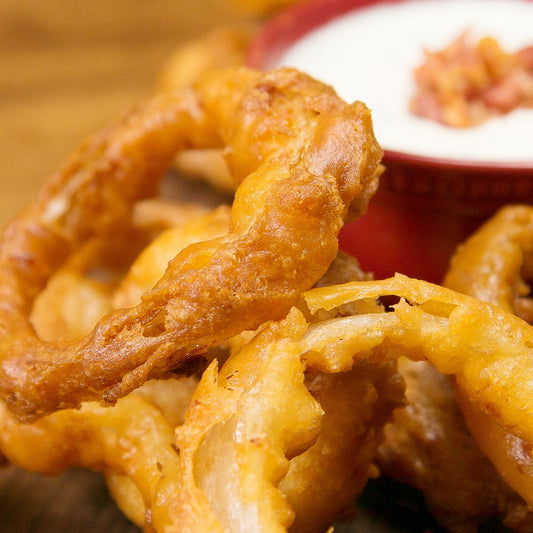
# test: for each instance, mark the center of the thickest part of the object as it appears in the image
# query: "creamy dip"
(369, 54)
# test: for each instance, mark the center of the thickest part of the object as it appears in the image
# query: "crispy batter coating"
(304, 157)
(495, 262)
(220, 48)
(240, 461)
(111, 439)
(236, 444)
(459, 335)
(132, 442)
(511, 458)
(322, 483)
(257, 452)
(494, 265)
(356, 404)
(429, 446)
(152, 262)
(99, 438)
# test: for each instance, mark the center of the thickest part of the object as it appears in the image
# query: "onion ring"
(107, 439)
(491, 265)
(99, 438)
(429, 445)
(249, 449)
(221, 48)
(458, 334)
(237, 440)
(307, 157)
(132, 444)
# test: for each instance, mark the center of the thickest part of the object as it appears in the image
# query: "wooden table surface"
(68, 67)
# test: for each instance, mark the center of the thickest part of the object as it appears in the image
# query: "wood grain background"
(68, 67)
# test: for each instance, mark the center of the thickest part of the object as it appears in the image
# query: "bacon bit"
(466, 83)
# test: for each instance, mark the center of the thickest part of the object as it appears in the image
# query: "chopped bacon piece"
(467, 83)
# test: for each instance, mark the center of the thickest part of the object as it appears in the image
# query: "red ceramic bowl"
(425, 206)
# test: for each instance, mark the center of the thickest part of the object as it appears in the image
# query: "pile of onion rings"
(308, 159)
(494, 265)
(228, 369)
(146, 476)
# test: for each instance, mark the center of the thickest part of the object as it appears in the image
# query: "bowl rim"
(286, 27)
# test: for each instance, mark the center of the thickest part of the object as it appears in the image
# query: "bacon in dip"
(371, 52)
(469, 82)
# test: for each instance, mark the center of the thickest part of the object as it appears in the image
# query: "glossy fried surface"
(429, 445)
(221, 48)
(265, 448)
(133, 442)
(323, 482)
(304, 158)
(486, 350)
(445, 328)
(330, 371)
(494, 265)
(246, 460)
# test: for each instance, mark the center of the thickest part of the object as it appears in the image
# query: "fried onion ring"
(237, 439)
(486, 349)
(493, 265)
(303, 157)
(256, 451)
(239, 408)
(356, 404)
(429, 445)
(220, 48)
(106, 439)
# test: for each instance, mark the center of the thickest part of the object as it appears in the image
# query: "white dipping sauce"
(370, 54)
